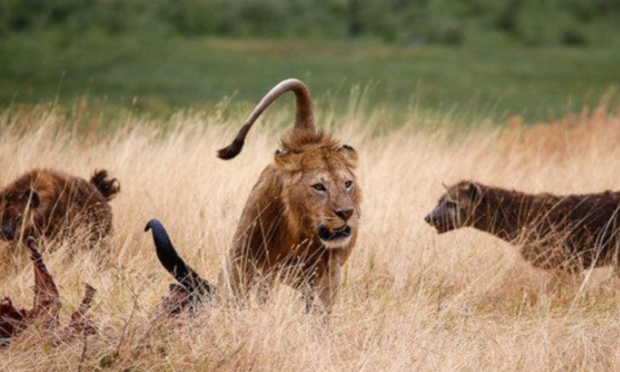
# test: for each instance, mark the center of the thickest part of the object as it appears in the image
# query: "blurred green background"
(536, 58)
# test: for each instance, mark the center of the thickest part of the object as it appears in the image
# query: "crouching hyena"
(49, 204)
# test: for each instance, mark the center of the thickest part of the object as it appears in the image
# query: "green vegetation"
(531, 22)
(480, 57)
(161, 75)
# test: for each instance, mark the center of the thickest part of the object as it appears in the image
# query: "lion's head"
(319, 188)
(456, 208)
(320, 195)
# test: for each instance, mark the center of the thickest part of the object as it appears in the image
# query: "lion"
(567, 233)
(48, 204)
(300, 222)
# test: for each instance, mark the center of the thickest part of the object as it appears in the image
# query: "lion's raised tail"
(304, 117)
(174, 264)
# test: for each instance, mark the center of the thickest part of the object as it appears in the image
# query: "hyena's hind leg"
(566, 281)
(616, 267)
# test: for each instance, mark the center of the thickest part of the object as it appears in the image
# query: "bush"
(573, 37)
(434, 21)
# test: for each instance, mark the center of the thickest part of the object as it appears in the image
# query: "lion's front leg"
(264, 285)
(309, 294)
(325, 287)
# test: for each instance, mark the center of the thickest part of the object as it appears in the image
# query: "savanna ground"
(410, 300)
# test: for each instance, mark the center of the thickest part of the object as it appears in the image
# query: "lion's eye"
(348, 184)
(319, 187)
(451, 204)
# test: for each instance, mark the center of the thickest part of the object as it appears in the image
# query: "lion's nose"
(345, 214)
(428, 219)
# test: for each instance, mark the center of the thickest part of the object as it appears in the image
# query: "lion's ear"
(472, 190)
(350, 153)
(281, 152)
(286, 161)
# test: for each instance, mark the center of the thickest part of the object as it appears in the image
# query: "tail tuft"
(106, 186)
(232, 150)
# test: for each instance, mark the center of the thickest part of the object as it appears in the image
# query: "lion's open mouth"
(328, 235)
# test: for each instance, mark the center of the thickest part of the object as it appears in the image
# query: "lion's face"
(14, 207)
(320, 192)
(456, 208)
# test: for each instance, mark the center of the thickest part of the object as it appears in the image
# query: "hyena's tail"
(175, 265)
(106, 186)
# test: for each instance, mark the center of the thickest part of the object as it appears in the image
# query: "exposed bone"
(46, 298)
(46, 307)
(12, 321)
(80, 323)
(177, 302)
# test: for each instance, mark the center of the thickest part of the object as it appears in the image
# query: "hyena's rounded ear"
(472, 190)
(350, 153)
(32, 197)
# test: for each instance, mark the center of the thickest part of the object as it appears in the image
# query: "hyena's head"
(16, 207)
(456, 208)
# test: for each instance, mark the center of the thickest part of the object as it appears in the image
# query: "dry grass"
(411, 300)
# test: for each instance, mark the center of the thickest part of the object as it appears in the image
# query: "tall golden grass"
(410, 300)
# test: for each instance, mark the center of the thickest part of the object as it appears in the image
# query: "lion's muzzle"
(335, 238)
